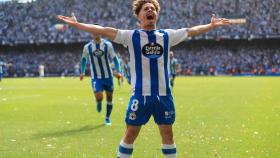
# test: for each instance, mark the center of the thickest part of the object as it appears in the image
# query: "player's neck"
(97, 41)
(148, 27)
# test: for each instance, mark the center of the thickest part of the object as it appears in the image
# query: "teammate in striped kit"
(98, 52)
(174, 68)
(149, 65)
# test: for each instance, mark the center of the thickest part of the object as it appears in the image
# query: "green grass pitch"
(216, 117)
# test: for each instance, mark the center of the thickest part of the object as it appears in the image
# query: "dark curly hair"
(137, 5)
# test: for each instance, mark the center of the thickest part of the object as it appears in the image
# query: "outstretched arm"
(200, 29)
(108, 32)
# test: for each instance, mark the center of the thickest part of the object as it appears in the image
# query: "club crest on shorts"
(168, 114)
(132, 116)
(98, 53)
(152, 50)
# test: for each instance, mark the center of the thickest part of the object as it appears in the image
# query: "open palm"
(219, 22)
(69, 20)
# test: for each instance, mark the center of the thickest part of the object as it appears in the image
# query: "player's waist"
(96, 76)
(158, 93)
(102, 78)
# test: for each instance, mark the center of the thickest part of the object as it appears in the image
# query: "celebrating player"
(149, 60)
(98, 52)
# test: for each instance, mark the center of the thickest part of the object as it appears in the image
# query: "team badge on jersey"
(98, 53)
(152, 50)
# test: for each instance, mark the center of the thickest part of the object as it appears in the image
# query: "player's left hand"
(215, 22)
(70, 20)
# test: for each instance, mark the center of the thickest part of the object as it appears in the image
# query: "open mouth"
(150, 17)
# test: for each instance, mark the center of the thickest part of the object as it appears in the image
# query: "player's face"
(148, 15)
(171, 55)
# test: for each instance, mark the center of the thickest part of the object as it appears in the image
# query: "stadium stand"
(27, 32)
(34, 22)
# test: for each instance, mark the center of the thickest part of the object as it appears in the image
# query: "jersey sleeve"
(123, 37)
(176, 61)
(84, 58)
(85, 52)
(177, 36)
(111, 50)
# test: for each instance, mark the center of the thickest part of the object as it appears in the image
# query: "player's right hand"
(81, 77)
(118, 75)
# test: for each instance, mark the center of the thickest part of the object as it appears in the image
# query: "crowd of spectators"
(26, 64)
(195, 59)
(34, 22)
(221, 60)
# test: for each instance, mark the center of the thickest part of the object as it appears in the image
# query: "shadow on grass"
(86, 128)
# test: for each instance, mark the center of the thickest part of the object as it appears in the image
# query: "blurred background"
(29, 36)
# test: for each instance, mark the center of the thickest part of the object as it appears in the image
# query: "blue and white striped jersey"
(98, 55)
(149, 58)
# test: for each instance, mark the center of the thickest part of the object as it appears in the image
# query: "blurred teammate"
(2, 64)
(41, 70)
(76, 70)
(126, 70)
(120, 79)
(149, 59)
(98, 52)
(174, 68)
